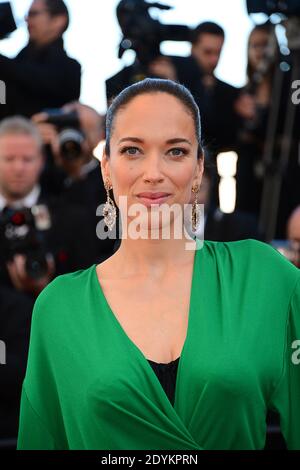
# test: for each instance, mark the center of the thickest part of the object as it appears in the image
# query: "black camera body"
(21, 232)
(142, 33)
(7, 22)
(70, 136)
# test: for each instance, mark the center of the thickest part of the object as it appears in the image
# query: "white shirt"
(28, 201)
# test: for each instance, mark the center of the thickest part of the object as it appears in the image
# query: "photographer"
(259, 122)
(210, 93)
(42, 75)
(254, 106)
(70, 136)
(41, 236)
(144, 35)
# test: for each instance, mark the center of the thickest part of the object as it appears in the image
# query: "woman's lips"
(149, 201)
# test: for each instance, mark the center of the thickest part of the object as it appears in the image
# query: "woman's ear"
(200, 170)
(104, 164)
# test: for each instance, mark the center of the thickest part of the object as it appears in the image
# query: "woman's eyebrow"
(132, 139)
(176, 140)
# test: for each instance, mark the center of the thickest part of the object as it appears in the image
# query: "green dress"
(88, 386)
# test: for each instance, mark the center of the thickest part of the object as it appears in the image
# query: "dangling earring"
(195, 209)
(109, 209)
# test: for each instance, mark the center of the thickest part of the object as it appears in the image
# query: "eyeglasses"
(34, 13)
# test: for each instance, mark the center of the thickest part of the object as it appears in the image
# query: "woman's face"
(153, 148)
(257, 46)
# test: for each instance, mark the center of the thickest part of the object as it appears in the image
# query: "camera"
(21, 232)
(142, 33)
(7, 22)
(70, 135)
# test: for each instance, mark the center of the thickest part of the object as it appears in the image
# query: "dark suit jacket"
(39, 78)
(218, 118)
(231, 227)
(89, 193)
(15, 321)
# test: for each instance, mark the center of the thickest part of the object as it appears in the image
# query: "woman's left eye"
(178, 152)
(132, 151)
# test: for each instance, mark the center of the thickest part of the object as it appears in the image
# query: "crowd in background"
(58, 188)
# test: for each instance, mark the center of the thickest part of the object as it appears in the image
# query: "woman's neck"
(154, 258)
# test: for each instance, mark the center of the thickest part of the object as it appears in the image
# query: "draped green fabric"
(88, 386)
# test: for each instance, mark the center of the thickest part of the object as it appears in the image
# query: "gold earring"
(195, 209)
(109, 209)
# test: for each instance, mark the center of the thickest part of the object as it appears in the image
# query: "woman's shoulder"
(72, 280)
(63, 293)
(253, 255)
(247, 247)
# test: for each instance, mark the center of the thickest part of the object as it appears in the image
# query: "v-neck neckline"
(135, 348)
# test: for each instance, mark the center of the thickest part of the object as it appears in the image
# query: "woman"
(253, 106)
(106, 341)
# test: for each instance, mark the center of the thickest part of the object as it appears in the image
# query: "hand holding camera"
(23, 247)
(61, 130)
(22, 281)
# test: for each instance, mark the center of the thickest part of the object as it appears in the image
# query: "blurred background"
(61, 64)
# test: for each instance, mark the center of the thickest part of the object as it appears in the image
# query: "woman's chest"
(155, 316)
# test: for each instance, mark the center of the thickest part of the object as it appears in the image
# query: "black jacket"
(231, 227)
(39, 78)
(218, 118)
(15, 321)
(90, 193)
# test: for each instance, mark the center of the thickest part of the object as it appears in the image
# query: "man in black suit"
(79, 180)
(42, 75)
(64, 229)
(15, 320)
(215, 98)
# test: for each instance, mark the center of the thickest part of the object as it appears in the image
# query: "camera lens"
(70, 143)
(36, 265)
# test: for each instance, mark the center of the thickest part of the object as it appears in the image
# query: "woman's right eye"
(130, 150)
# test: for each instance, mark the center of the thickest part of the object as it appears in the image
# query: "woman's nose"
(153, 168)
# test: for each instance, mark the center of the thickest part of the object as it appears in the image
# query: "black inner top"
(166, 374)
